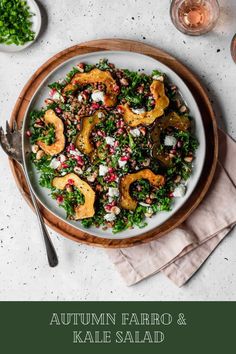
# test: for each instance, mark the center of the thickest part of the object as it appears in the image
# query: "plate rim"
(27, 171)
(139, 47)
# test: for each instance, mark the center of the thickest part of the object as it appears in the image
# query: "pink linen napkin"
(181, 252)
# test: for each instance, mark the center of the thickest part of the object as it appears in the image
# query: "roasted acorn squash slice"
(171, 120)
(161, 102)
(126, 201)
(81, 211)
(83, 142)
(92, 77)
(58, 146)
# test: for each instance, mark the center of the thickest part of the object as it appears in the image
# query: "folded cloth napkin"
(181, 252)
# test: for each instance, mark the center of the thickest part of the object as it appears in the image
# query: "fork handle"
(51, 253)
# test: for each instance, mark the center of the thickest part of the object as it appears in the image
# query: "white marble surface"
(85, 273)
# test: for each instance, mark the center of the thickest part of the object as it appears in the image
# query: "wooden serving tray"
(208, 121)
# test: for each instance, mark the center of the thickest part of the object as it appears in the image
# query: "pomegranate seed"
(95, 105)
(173, 151)
(39, 122)
(140, 89)
(100, 133)
(60, 199)
(70, 147)
(64, 165)
(112, 150)
(28, 133)
(58, 110)
(111, 178)
(100, 87)
(116, 143)
(120, 131)
(120, 109)
(120, 124)
(116, 88)
(79, 160)
(110, 170)
(70, 181)
(52, 92)
(108, 207)
(171, 195)
(80, 65)
(124, 158)
(179, 144)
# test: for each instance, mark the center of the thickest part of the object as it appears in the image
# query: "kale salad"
(113, 146)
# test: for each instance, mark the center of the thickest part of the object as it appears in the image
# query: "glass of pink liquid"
(233, 48)
(194, 17)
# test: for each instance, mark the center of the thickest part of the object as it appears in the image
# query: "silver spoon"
(10, 142)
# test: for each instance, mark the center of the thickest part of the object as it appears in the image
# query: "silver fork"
(11, 144)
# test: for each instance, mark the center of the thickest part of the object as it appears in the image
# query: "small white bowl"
(36, 26)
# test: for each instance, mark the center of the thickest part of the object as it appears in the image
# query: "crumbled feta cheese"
(144, 204)
(80, 98)
(62, 158)
(122, 163)
(135, 132)
(110, 141)
(170, 140)
(110, 217)
(138, 110)
(63, 173)
(35, 148)
(57, 96)
(97, 96)
(149, 212)
(101, 115)
(115, 210)
(158, 77)
(55, 163)
(103, 170)
(92, 177)
(113, 192)
(78, 170)
(75, 153)
(179, 191)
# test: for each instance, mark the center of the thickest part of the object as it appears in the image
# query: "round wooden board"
(208, 121)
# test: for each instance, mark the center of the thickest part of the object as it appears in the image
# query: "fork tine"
(2, 134)
(8, 128)
(3, 141)
(15, 128)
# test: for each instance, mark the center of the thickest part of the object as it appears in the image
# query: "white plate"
(36, 20)
(132, 61)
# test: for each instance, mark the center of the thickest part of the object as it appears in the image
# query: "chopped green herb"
(15, 23)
